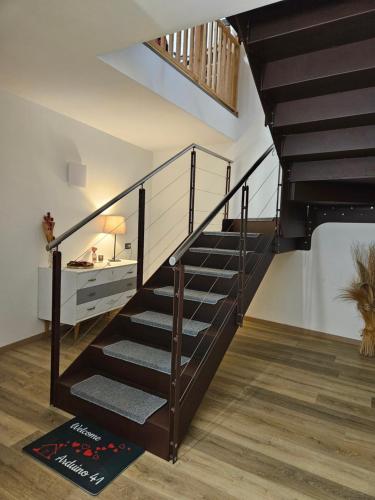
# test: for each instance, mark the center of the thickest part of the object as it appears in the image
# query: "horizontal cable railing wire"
(57, 241)
(193, 237)
(219, 330)
(135, 212)
(121, 252)
(178, 301)
(156, 220)
(251, 273)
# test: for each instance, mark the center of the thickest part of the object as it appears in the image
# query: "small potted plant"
(362, 291)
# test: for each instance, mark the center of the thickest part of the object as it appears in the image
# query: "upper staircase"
(313, 62)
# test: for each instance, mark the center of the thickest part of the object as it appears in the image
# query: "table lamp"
(114, 224)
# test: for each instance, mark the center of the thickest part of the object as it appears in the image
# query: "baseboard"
(22, 342)
(283, 328)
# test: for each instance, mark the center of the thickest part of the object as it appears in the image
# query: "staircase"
(122, 380)
(146, 373)
(313, 62)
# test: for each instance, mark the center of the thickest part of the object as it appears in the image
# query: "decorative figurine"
(94, 257)
(48, 225)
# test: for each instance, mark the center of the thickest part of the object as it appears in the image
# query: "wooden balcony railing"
(208, 55)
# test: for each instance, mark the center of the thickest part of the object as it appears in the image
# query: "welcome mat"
(84, 453)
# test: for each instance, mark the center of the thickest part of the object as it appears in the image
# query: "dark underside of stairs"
(134, 349)
(313, 62)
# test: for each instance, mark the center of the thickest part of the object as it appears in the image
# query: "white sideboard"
(86, 293)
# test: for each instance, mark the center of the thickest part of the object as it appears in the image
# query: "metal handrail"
(186, 244)
(212, 153)
(57, 241)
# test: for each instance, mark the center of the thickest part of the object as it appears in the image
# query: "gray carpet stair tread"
(165, 322)
(142, 355)
(210, 271)
(122, 399)
(194, 295)
(217, 251)
(229, 233)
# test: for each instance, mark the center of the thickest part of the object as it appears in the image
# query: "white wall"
(253, 138)
(141, 64)
(301, 288)
(35, 145)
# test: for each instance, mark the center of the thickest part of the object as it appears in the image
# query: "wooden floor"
(288, 416)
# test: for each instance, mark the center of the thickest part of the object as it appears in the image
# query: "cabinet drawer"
(94, 277)
(100, 306)
(125, 272)
(89, 294)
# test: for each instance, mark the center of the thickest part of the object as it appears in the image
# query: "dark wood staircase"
(313, 62)
(211, 270)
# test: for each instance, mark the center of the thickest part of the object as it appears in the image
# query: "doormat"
(84, 453)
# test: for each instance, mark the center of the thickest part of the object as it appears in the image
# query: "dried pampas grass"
(362, 291)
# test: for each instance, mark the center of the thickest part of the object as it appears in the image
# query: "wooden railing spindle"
(209, 53)
(185, 48)
(178, 47)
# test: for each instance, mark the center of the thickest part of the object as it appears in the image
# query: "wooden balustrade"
(208, 55)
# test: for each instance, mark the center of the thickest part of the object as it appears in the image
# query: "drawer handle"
(91, 308)
(92, 279)
(129, 272)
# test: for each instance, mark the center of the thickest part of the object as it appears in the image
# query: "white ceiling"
(48, 54)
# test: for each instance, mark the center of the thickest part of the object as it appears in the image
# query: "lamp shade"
(114, 224)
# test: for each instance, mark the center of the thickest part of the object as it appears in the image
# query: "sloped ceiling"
(48, 54)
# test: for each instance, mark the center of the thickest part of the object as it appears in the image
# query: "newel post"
(141, 236)
(55, 331)
(175, 384)
(193, 159)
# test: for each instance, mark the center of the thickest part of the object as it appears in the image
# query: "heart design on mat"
(88, 453)
(75, 444)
